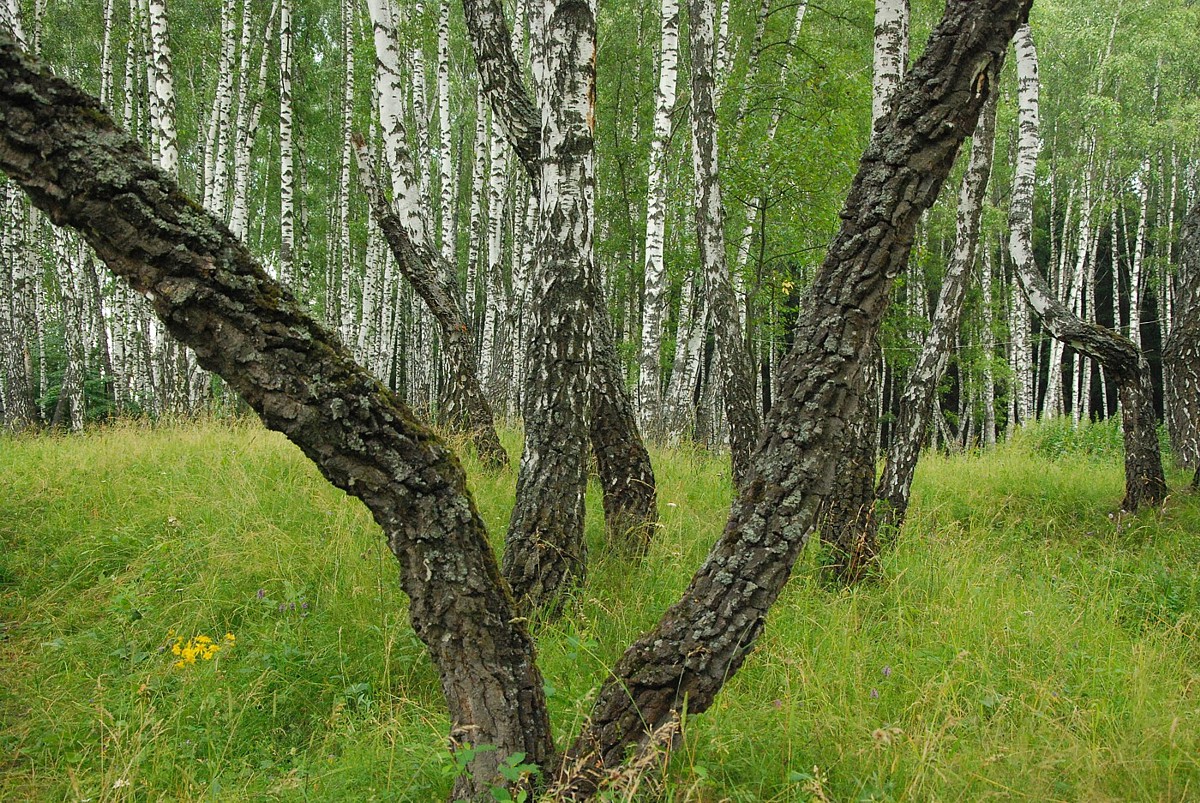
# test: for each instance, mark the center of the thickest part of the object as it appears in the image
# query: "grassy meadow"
(190, 612)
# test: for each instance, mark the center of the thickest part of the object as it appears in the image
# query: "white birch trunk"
(891, 53)
(1136, 261)
(650, 373)
(163, 91)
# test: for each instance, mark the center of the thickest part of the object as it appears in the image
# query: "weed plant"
(1022, 642)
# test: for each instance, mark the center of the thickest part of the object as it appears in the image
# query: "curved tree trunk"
(1121, 358)
(1181, 352)
(919, 401)
(61, 147)
(466, 405)
(703, 639)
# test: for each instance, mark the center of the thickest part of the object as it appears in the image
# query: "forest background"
(1116, 175)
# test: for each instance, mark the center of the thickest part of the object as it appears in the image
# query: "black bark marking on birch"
(61, 147)
(704, 638)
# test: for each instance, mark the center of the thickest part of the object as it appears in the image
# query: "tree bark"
(545, 554)
(1121, 358)
(703, 639)
(63, 150)
(1181, 352)
(622, 459)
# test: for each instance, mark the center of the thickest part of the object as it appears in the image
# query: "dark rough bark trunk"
(703, 639)
(919, 402)
(847, 524)
(466, 407)
(1181, 352)
(1120, 356)
(737, 378)
(545, 554)
(65, 152)
(627, 478)
(621, 456)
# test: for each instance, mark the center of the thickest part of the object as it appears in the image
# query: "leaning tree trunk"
(848, 525)
(919, 401)
(1181, 352)
(404, 229)
(1121, 358)
(62, 148)
(703, 640)
(737, 378)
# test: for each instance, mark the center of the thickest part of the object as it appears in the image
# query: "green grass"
(1021, 644)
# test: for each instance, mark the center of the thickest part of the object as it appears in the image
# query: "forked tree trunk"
(60, 146)
(703, 639)
(622, 459)
(62, 149)
(1181, 353)
(545, 554)
(1121, 358)
(919, 402)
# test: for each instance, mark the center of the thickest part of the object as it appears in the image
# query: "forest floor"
(1020, 643)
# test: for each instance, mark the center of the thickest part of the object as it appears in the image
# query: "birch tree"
(545, 549)
(737, 378)
(655, 282)
(1144, 480)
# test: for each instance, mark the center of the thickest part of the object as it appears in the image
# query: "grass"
(1021, 644)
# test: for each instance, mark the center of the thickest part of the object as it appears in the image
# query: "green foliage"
(1020, 640)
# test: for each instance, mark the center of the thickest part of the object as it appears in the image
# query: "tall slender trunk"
(737, 379)
(918, 404)
(1144, 480)
(287, 174)
(650, 364)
